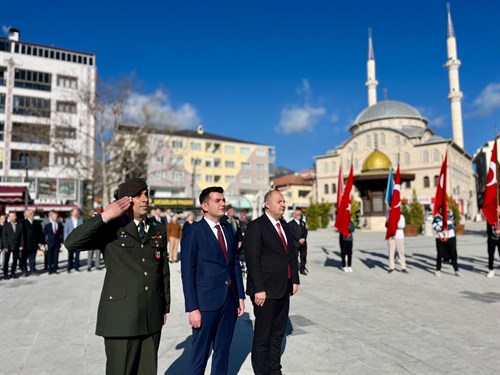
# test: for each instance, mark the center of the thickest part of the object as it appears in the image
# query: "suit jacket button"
(145, 273)
(143, 260)
(146, 288)
(142, 246)
(110, 297)
(226, 282)
(123, 244)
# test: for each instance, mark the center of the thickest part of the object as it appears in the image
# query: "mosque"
(390, 131)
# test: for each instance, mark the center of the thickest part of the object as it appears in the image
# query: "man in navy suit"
(53, 232)
(70, 224)
(212, 283)
(271, 257)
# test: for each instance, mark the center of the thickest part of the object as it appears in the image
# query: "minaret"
(455, 95)
(371, 82)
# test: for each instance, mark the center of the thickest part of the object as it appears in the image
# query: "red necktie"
(222, 243)
(285, 246)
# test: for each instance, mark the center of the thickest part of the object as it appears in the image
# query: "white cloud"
(334, 118)
(157, 110)
(437, 121)
(296, 119)
(488, 100)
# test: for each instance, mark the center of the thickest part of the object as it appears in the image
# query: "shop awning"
(13, 194)
(41, 207)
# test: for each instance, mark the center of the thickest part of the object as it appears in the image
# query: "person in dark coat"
(299, 233)
(12, 242)
(54, 236)
(32, 240)
(135, 296)
(273, 277)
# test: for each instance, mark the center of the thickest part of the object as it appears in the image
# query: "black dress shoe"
(14, 276)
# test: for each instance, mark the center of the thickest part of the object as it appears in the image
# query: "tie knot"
(278, 224)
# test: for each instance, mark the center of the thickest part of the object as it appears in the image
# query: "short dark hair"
(211, 189)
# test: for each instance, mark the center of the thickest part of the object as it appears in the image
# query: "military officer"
(135, 297)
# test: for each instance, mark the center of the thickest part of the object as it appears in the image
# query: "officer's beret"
(131, 188)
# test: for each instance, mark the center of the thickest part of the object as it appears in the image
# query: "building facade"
(297, 188)
(46, 128)
(182, 163)
(399, 131)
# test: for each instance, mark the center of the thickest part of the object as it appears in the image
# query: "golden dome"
(377, 160)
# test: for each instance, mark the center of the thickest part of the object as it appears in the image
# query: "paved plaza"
(365, 322)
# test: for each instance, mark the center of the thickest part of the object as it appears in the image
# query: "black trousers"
(447, 250)
(28, 256)
(132, 355)
(15, 258)
(53, 257)
(303, 257)
(345, 250)
(270, 324)
(492, 244)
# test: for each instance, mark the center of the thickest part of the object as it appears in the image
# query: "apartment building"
(46, 129)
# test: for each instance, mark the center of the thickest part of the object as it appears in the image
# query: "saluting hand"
(116, 209)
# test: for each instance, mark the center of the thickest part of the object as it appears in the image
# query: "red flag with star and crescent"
(343, 218)
(490, 203)
(395, 211)
(441, 199)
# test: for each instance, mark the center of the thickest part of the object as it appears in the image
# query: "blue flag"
(390, 187)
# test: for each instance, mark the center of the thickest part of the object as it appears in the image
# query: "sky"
(287, 73)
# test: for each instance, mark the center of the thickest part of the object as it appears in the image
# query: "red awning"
(13, 194)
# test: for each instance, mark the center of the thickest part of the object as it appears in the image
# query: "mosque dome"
(388, 109)
(376, 161)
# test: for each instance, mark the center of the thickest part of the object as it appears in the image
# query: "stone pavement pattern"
(365, 322)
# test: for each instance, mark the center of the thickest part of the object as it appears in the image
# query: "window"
(261, 167)
(67, 82)
(30, 133)
(217, 163)
(208, 163)
(65, 159)
(375, 140)
(229, 164)
(436, 181)
(246, 180)
(406, 158)
(159, 175)
(425, 156)
(66, 107)
(159, 158)
(229, 179)
(245, 151)
(435, 155)
(159, 143)
(334, 188)
(397, 140)
(177, 176)
(245, 166)
(408, 184)
(2, 127)
(3, 70)
(65, 132)
(29, 106)
(326, 189)
(382, 139)
(195, 146)
(426, 182)
(176, 144)
(31, 79)
(2, 103)
(229, 149)
(209, 178)
(325, 167)
(368, 141)
(260, 152)
(217, 178)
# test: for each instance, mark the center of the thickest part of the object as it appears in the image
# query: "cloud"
(296, 119)
(334, 118)
(157, 110)
(437, 121)
(488, 101)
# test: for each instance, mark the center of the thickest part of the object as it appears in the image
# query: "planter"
(460, 229)
(411, 230)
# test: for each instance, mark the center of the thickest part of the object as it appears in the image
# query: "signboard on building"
(173, 202)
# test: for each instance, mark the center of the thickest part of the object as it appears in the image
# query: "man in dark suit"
(71, 223)
(12, 242)
(299, 233)
(273, 276)
(54, 236)
(32, 239)
(212, 283)
(135, 296)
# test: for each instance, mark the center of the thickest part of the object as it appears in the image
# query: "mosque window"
(397, 140)
(375, 139)
(368, 141)
(408, 184)
(436, 181)
(325, 167)
(406, 158)
(334, 188)
(425, 156)
(326, 188)
(435, 155)
(382, 139)
(426, 182)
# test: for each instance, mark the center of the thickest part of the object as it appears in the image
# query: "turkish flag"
(490, 202)
(441, 199)
(395, 212)
(343, 218)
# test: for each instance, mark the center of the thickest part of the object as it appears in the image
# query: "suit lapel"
(212, 238)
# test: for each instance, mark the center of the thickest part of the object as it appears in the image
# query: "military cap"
(131, 188)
